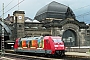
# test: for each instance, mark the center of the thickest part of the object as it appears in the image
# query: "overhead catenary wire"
(7, 5)
(81, 7)
(84, 14)
(81, 15)
(13, 7)
(18, 5)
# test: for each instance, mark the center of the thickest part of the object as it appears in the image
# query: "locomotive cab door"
(47, 44)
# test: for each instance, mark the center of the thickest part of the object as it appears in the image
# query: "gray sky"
(31, 7)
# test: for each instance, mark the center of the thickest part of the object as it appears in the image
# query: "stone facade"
(19, 23)
(73, 32)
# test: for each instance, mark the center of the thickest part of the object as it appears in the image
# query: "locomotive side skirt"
(34, 51)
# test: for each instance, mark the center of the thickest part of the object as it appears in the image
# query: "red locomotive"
(52, 45)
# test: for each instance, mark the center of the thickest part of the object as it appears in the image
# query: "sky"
(81, 8)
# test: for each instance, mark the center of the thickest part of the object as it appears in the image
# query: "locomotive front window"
(57, 40)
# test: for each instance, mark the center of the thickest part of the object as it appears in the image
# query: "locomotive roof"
(53, 37)
(32, 38)
(56, 37)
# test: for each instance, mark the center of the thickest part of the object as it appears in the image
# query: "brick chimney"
(8, 16)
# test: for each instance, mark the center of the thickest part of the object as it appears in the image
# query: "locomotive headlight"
(62, 45)
(55, 45)
(55, 48)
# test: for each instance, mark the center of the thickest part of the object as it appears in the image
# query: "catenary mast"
(2, 39)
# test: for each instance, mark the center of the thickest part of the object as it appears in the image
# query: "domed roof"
(52, 10)
(53, 7)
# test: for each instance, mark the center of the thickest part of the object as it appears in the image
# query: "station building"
(53, 19)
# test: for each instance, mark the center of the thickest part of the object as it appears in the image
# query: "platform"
(78, 54)
(71, 54)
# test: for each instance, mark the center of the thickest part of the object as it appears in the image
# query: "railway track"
(19, 56)
(35, 57)
(27, 57)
